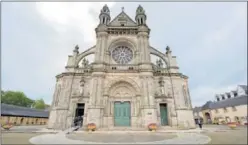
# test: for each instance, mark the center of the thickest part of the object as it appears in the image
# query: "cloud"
(202, 94)
(82, 16)
(210, 45)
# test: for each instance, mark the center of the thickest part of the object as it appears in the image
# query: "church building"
(122, 87)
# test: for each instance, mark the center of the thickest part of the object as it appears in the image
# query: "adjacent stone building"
(122, 87)
(227, 107)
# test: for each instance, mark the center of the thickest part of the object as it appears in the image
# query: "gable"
(122, 18)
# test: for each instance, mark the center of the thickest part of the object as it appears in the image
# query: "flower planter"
(91, 127)
(152, 127)
(232, 125)
(7, 126)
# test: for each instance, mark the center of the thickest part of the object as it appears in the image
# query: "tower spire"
(104, 15)
(140, 16)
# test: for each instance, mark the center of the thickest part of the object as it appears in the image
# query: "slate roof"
(13, 110)
(243, 87)
(197, 109)
(239, 100)
(207, 105)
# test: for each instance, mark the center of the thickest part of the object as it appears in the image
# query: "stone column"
(144, 47)
(95, 110)
(144, 87)
(101, 46)
(150, 88)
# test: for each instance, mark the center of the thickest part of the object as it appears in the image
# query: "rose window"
(122, 54)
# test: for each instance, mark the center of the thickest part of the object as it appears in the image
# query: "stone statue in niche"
(56, 102)
(82, 83)
(161, 85)
(185, 95)
(85, 63)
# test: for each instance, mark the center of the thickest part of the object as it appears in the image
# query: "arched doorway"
(122, 94)
(208, 118)
(123, 98)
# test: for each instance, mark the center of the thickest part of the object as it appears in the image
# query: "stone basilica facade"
(122, 87)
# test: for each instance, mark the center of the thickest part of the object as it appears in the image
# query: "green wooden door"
(163, 115)
(122, 114)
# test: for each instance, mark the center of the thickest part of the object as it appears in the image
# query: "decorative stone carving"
(85, 63)
(159, 63)
(82, 83)
(186, 101)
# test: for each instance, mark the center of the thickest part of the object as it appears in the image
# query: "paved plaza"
(211, 134)
(127, 137)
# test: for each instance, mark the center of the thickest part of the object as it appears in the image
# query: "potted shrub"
(152, 127)
(91, 127)
(232, 125)
(7, 126)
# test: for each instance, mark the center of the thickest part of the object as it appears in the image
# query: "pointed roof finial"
(122, 8)
(167, 48)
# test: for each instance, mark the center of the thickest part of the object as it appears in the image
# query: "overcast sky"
(209, 40)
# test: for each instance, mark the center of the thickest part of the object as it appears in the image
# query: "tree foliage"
(16, 98)
(39, 104)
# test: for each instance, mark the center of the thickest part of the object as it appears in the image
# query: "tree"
(2, 93)
(16, 98)
(39, 104)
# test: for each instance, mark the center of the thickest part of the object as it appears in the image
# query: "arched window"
(141, 21)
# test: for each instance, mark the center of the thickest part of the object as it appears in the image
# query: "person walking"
(80, 120)
(200, 123)
(76, 121)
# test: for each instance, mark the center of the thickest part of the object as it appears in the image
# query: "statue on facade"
(185, 95)
(76, 49)
(161, 85)
(168, 50)
(82, 83)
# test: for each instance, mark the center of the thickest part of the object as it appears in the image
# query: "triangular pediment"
(121, 19)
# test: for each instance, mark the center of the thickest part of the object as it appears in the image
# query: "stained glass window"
(122, 54)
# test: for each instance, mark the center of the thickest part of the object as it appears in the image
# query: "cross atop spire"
(122, 8)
